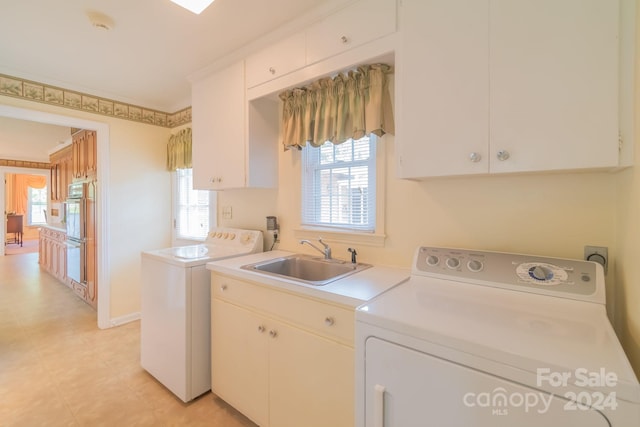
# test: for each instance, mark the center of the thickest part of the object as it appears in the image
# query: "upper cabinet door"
(276, 60)
(218, 125)
(554, 84)
(495, 86)
(442, 84)
(353, 26)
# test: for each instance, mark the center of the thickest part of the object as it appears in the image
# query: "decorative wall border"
(24, 164)
(52, 95)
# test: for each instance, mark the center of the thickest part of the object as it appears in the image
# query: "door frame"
(102, 200)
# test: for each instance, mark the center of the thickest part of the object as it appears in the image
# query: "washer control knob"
(475, 265)
(432, 260)
(541, 273)
(453, 263)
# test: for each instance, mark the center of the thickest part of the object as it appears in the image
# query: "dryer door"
(407, 388)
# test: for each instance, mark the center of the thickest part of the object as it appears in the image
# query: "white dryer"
(175, 329)
(478, 339)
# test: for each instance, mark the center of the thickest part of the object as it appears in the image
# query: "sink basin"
(311, 270)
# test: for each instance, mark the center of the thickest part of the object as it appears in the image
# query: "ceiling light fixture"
(195, 6)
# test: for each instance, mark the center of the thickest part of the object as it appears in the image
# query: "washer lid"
(520, 330)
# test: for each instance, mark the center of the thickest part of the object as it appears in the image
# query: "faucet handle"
(322, 243)
(353, 255)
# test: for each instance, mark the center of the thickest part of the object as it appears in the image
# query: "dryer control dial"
(541, 274)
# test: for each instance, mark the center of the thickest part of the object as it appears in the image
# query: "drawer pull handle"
(261, 329)
(273, 333)
(329, 321)
(223, 288)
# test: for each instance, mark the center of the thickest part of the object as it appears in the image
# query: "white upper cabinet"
(276, 60)
(224, 156)
(507, 86)
(353, 26)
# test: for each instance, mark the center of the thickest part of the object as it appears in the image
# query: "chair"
(14, 225)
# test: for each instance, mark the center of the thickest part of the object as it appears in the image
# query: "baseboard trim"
(117, 321)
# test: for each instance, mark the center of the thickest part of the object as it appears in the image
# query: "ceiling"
(147, 56)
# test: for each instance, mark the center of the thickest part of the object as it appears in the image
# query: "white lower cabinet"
(276, 371)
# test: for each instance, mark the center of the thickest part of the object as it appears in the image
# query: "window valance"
(337, 109)
(179, 150)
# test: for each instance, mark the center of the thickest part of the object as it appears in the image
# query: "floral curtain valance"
(179, 150)
(336, 109)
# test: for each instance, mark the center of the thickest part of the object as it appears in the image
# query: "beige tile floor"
(58, 369)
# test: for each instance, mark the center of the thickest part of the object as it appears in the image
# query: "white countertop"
(352, 291)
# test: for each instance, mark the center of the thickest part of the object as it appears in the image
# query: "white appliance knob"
(453, 263)
(232, 236)
(503, 155)
(432, 260)
(475, 157)
(475, 265)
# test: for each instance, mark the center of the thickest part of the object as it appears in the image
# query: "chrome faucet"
(326, 251)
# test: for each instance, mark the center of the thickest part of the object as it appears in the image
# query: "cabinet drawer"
(353, 26)
(324, 319)
(276, 60)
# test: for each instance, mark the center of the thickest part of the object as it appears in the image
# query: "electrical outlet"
(227, 212)
(599, 254)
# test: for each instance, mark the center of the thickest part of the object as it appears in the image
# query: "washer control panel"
(561, 277)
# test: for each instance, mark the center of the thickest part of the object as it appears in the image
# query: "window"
(192, 218)
(339, 185)
(37, 205)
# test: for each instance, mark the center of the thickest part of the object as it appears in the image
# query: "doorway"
(102, 201)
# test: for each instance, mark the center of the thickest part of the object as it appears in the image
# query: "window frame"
(180, 240)
(351, 236)
(30, 205)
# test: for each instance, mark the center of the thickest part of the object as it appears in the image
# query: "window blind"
(338, 185)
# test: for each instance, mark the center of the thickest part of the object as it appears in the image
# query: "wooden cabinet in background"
(53, 253)
(84, 154)
(60, 173)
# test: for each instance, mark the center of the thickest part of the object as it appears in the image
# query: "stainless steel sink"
(312, 270)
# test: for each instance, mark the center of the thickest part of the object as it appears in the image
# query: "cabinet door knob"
(344, 39)
(272, 70)
(273, 333)
(329, 321)
(475, 157)
(223, 288)
(261, 328)
(502, 155)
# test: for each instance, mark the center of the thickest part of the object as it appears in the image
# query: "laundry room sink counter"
(282, 349)
(352, 290)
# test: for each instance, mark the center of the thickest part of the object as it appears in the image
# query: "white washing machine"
(478, 338)
(175, 329)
